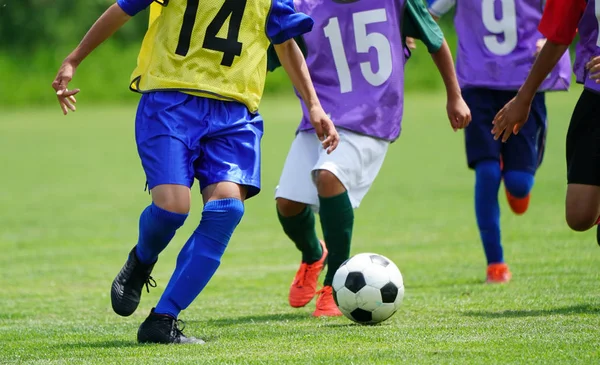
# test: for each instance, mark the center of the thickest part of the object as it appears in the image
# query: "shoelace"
(322, 290)
(179, 326)
(300, 278)
(307, 269)
(150, 283)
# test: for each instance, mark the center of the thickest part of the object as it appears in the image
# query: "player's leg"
(523, 154)
(343, 179)
(582, 205)
(483, 156)
(196, 263)
(166, 160)
(229, 172)
(295, 196)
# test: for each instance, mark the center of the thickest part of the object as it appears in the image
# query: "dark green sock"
(301, 230)
(337, 220)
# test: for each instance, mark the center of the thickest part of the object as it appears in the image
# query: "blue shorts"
(181, 137)
(522, 152)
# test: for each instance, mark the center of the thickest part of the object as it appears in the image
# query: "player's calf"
(157, 227)
(200, 257)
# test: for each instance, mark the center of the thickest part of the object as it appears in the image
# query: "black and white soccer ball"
(368, 288)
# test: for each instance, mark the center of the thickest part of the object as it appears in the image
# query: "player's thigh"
(295, 182)
(230, 152)
(355, 163)
(525, 151)
(583, 141)
(165, 154)
(479, 142)
(582, 205)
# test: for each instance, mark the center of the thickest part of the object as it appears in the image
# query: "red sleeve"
(560, 20)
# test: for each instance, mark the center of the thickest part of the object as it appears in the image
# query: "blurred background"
(36, 35)
(72, 188)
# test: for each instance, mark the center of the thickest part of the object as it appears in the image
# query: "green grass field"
(72, 189)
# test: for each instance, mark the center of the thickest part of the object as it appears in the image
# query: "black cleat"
(162, 328)
(598, 234)
(127, 287)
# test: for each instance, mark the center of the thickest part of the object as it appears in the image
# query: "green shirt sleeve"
(419, 24)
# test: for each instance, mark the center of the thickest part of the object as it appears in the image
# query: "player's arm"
(559, 26)
(294, 64)
(113, 18)
(283, 25)
(437, 8)
(418, 23)
(273, 62)
(458, 111)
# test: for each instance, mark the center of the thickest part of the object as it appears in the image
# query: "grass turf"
(72, 191)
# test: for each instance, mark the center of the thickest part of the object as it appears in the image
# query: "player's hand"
(593, 68)
(325, 129)
(410, 43)
(459, 113)
(539, 45)
(511, 118)
(66, 97)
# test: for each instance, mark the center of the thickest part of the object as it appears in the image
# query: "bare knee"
(289, 208)
(172, 198)
(328, 184)
(582, 206)
(580, 221)
(224, 190)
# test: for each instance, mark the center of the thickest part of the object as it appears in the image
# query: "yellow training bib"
(209, 48)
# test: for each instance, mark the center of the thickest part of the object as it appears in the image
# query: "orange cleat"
(498, 274)
(304, 286)
(325, 304)
(517, 205)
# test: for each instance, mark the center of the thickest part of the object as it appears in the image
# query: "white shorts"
(356, 162)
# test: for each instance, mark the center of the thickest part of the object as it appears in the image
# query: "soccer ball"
(368, 288)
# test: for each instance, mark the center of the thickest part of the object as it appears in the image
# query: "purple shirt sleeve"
(285, 23)
(132, 7)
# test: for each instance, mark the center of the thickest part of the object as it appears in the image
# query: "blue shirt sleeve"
(285, 23)
(132, 7)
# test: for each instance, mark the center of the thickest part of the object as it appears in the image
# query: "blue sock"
(200, 257)
(487, 209)
(157, 228)
(518, 183)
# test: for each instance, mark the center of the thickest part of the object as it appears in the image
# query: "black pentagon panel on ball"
(379, 260)
(335, 298)
(389, 292)
(355, 281)
(361, 315)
